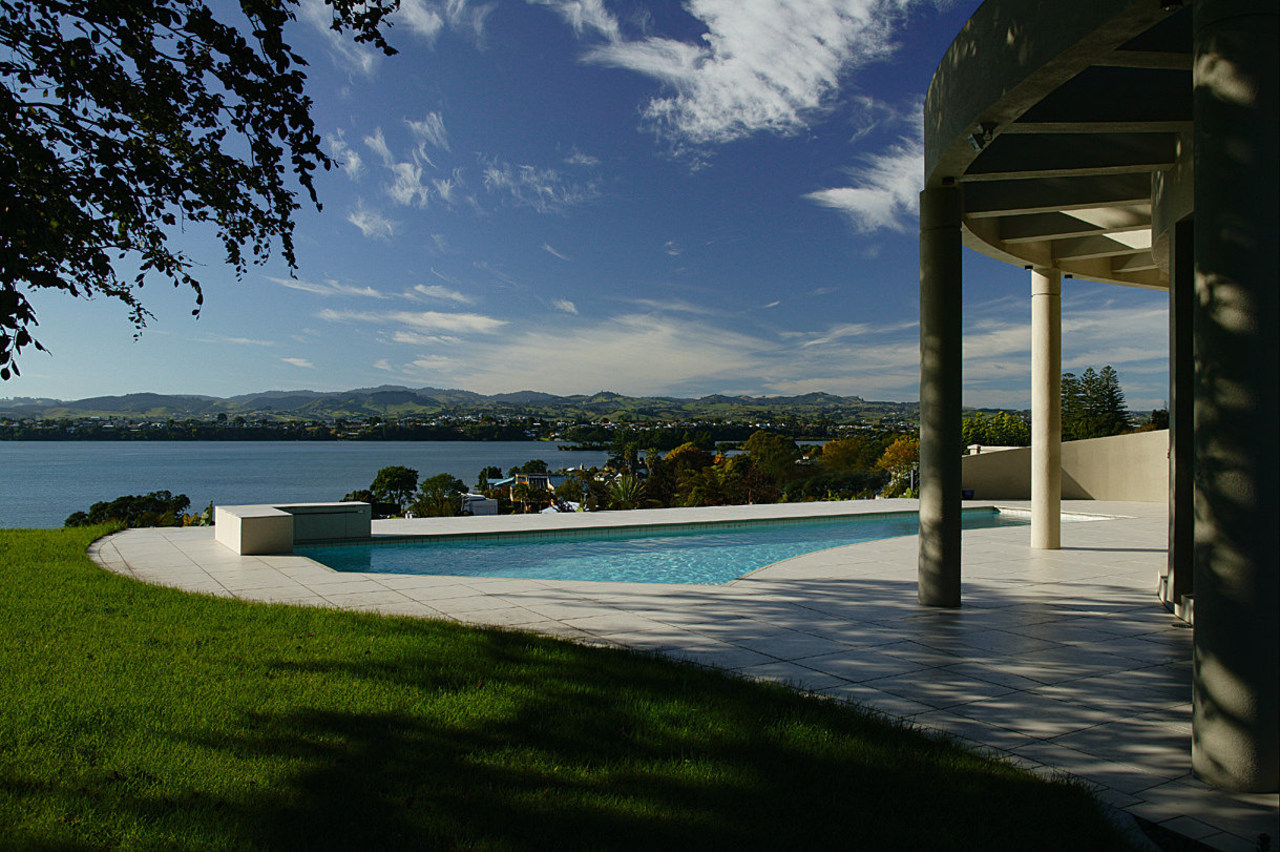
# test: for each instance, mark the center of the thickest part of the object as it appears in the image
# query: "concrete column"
(1176, 583)
(1046, 409)
(940, 302)
(1236, 316)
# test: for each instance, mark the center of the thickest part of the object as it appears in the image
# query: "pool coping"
(1062, 661)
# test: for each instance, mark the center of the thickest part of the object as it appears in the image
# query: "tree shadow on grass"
(534, 744)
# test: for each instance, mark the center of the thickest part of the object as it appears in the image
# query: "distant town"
(428, 414)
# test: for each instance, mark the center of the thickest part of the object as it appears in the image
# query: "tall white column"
(1046, 409)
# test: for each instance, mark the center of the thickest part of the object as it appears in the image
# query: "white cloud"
(551, 251)
(420, 320)
(328, 288)
(377, 143)
(675, 305)
(383, 364)
(543, 189)
(644, 354)
(431, 364)
(430, 129)
(348, 158)
(421, 20)
(355, 57)
(577, 158)
(671, 249)
(887, 190)
(413, 338)
(435, 291)
(585, 15)
(372, 223)
(299, 362)
(466, 15)
(425, 19)
(406, 187)
(565, 305)
(764, 66)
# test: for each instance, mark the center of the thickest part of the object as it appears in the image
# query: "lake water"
(41, 482)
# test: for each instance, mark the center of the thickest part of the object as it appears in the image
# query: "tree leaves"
(124, 120)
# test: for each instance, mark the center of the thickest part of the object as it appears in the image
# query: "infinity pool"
(705, 553)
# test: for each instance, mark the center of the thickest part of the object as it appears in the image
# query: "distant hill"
(399, 401)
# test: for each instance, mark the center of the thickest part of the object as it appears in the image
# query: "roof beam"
(1073, 154)
(1037, 227)
(1133, 263)
(1003, 198)
(1087, 248)
(1160, 60)
(1027, 127)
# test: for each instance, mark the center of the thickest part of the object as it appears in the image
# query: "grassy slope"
(144, 717)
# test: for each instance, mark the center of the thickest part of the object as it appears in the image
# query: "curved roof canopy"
(1064, 123)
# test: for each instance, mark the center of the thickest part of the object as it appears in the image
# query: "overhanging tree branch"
(117, 116)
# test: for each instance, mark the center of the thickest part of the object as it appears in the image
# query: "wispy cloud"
(430, 130)
(543, 189)
(565, 305)
(422, 20)
(299, 362)
(671, 249)
(355, 57)
(406, 187)
(577, 158)
(435, 291)
(674, 306)
(348, 158)
(415, 338)
(485, 266)
(886, 190)
(420, 320)
(766, 67)
(371, 223)
(585, 16)
(551, 251)
(220, 339)
(328, 288)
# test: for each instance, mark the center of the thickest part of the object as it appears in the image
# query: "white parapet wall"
(1122, 467)
(260, 529)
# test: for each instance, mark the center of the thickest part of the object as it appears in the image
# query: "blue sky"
(677, 198)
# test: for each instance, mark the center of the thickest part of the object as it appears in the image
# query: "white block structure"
(260, 529)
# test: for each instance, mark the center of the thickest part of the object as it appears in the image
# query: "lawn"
(141, 717)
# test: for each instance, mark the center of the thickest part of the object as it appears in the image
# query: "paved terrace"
(1061, 660)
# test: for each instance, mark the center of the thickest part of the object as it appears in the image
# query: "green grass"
(141, 717)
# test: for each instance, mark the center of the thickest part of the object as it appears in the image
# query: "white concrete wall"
(1122, 467)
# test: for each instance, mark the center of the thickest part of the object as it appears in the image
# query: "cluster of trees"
(395, 490)
(1000, 429)
(157, 509)
(1093, 406)
(770, 468)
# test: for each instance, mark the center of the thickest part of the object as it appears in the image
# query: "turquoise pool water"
(707, 553)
